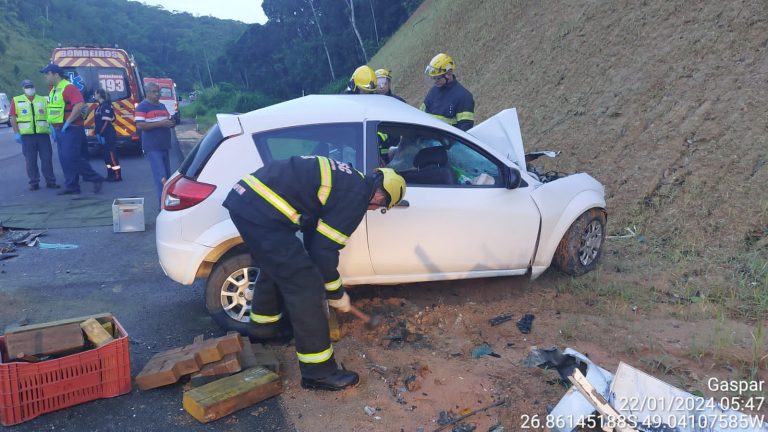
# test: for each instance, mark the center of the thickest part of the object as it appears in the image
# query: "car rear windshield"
(166, 93)
(196, 159)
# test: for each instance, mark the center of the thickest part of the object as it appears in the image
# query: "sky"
(248, 11)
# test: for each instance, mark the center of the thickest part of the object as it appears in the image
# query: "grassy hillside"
(662, 101)
(22, 58)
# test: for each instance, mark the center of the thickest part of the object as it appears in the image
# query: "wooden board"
(333, 326)
(168, 366)
(225, 396)
(226, 366)
(95, 333)
(102, 317)
(45, 341)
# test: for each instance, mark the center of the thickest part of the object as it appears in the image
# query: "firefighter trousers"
(289, 278)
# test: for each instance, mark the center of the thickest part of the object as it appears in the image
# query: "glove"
(18, 138)
(65, 127)
(99, 139)
(342, 305)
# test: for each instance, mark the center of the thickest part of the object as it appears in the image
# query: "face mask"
(29, 91)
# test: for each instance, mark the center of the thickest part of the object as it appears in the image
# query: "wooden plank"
(597, 400)
(226, 366)
(102, 317)
(225, 396)
(109, 328)
(168, 366)
(96, 333)
(44, 342)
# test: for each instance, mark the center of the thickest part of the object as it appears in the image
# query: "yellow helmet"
(364, 79)
(383, 73)
(439, 65)
(394, 186)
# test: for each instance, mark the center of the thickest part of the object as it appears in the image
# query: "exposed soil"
(446, 321)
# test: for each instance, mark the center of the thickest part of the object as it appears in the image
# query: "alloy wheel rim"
(237, 293)
(591, 241)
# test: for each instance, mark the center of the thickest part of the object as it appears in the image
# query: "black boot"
(338, 380)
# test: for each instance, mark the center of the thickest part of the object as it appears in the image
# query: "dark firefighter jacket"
(323, 198)
(451, 103)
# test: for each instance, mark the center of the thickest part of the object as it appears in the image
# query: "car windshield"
(166, 93)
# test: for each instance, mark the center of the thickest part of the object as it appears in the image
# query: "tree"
(322, 38)
(351, 5)
(373, 18)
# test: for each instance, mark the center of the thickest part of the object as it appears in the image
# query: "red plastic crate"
(28, 390)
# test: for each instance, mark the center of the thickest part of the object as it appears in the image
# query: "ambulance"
(114, 70)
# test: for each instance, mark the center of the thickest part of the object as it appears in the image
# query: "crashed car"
(473, 209)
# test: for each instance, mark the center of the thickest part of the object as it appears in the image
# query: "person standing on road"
(64, 115)
(155, 123)
(28, 120)
(448, 100)
(326, 200)
(384, 81)
(105, 134)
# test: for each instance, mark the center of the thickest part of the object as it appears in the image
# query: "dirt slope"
(662, 101)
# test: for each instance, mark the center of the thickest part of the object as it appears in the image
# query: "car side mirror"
(513, 178)
(178, 98)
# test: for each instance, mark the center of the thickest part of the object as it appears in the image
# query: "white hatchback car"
(473, 207)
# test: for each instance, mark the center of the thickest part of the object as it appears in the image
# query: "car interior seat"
(431, 167)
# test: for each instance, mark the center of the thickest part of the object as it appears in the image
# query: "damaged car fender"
(560, 203)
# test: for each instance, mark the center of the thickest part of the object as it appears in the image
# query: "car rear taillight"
(182, 192)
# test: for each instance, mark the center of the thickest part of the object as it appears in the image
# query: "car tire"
(581, 246)
(231, 266)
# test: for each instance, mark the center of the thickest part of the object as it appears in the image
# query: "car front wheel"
(229, 292)
(581, 246)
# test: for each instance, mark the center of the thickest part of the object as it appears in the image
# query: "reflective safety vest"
(31, 116)
(56, 104)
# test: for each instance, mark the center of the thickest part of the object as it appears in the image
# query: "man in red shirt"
(65, 104)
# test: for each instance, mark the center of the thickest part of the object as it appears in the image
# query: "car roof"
(321, 109)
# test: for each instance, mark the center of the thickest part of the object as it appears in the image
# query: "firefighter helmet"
(440, 65)
(394, 185)
(384, 73)
(364, 79)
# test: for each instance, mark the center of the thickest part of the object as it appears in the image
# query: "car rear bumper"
(179, 258)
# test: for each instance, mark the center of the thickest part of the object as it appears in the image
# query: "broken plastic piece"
(483, 350)
(526, 323)
(500, 319)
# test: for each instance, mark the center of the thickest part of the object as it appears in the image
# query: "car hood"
(502, 132)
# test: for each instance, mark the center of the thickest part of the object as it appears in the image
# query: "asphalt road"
(117, 273)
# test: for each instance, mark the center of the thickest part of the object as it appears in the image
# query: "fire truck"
(112, 69)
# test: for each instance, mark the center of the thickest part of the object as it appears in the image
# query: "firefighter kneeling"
(326, 200)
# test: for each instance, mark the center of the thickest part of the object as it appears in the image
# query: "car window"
(340, 141)
(166, 93)
(427, 156)
(196, 159)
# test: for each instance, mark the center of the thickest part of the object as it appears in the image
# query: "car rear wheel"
(229, 292)
(581, 246)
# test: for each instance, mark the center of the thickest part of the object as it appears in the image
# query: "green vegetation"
(175, 45)
(223, 98)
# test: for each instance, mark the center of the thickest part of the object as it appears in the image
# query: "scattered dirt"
(445, 321)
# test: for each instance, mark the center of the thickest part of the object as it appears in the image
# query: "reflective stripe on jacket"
(324, 198)
(452, 104)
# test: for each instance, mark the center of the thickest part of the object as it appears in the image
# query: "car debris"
(369, 410)
(614, 396)
(499, 319)
(447, 419)
(483, 350)
(525, 325)
(57, 246)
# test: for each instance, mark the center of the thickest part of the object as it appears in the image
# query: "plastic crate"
(28, 390)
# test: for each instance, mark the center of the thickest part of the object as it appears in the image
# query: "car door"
(459, 217)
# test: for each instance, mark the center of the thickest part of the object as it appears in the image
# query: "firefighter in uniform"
(384, 81)
(448, 100)
(326, 200)
(28, 120)
(363, 81)
(64, 116)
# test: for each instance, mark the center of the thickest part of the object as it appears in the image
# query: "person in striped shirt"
(155, 123)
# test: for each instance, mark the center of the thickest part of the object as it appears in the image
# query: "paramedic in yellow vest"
(28, 120)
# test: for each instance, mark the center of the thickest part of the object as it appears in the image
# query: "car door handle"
(402, 204)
